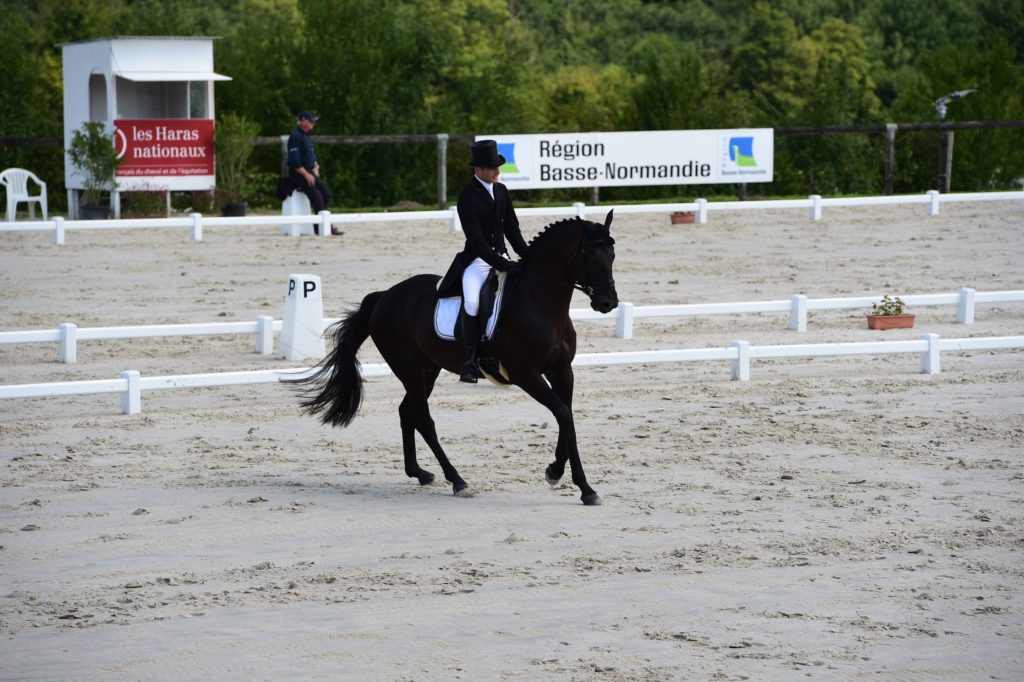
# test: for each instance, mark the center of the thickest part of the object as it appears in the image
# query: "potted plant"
(233, 143)
(92, 153)
(682, 217)
(890, 313)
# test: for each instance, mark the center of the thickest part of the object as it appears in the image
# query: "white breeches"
(473, 278)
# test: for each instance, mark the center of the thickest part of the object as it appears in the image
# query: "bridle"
(586, 285)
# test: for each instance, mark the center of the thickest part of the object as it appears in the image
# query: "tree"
(772, 63)
(982, 160)
(842, 93)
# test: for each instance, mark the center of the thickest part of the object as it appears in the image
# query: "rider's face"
(487, 174)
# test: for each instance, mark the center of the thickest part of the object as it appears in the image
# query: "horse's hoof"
(425, 477)
(591, 500)
(465, 492)
(553, 476)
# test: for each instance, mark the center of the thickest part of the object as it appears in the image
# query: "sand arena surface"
(832, 518)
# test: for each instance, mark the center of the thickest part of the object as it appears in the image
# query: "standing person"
(304, 170)
(488, 218)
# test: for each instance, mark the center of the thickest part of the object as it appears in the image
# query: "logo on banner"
(746, 157)
(741, 152)
(508, 150)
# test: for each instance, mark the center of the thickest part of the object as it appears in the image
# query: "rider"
(488, 218)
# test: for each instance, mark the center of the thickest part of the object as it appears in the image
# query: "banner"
(663, 157)
(164, 148)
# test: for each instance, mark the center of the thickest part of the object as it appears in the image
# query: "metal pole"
(890, 148)
(442, 171)
(945, 161)
(947, 172)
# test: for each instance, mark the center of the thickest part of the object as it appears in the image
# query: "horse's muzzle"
(605, 300)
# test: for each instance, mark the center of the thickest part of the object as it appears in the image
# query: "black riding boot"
(471, 339)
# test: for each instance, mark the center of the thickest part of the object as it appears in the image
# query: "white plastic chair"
(15, 181)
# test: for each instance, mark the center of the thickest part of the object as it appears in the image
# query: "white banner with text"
(662, 157)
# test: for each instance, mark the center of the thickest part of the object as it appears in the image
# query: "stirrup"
(469, 373)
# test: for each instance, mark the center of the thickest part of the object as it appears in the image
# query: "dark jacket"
(487, 223)
(300, 150)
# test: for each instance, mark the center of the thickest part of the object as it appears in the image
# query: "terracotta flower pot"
(680, 217)
(904, 321)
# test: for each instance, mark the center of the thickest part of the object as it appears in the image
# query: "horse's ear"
(608, 220)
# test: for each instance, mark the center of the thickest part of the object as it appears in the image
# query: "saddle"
(448, 314)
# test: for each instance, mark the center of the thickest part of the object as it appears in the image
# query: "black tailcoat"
(486, 223)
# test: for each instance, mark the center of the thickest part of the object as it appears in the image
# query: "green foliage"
(493, 66)
(92, 152)
(773, 63)
(233, 151)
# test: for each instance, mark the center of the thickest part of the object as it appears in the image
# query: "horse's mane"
(539, 242)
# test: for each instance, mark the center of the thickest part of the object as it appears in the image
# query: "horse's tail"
(335, 389)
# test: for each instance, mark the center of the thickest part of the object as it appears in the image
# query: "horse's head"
(597, 253)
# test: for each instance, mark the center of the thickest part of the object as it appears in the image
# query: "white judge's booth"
(155, 95)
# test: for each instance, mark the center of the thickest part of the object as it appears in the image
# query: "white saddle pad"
(446, 312)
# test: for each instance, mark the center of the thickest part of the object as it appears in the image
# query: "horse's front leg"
(561, 382)
(538, 389)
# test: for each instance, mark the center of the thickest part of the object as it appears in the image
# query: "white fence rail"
(195, 222)
(798, 306)
(67, 335)
(739, 354)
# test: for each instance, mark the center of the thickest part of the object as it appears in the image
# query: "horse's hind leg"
(415, 416)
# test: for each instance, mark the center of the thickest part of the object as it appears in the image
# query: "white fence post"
(264, 334)
(58, 230)
(702, 211)
(67, 351)
(798, 312)
(454, 224)
(581, 209)
(624, 320)
(965, 307)
(933, 202)
(197, 227)
(930, 358)
(302, 333)
(741, 365)
(131, 399)
(325, 223)
(815, 212)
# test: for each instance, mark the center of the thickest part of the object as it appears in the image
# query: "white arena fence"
(195, 222)
(67, 334)
(739, 354)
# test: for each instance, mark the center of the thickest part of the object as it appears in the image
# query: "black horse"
(536, 341)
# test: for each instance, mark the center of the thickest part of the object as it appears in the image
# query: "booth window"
(152, 99)
(197, 102)
(97, 97)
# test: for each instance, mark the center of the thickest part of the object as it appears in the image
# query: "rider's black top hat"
(485, 154)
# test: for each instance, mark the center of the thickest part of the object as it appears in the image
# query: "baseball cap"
(306, 116)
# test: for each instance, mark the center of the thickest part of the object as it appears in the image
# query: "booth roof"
(172, 76)
(99, 40)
